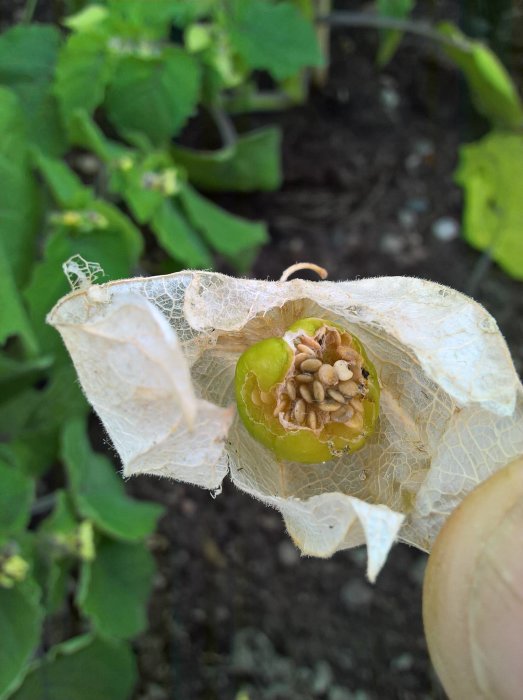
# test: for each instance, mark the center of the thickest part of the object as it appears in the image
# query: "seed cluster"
(327, 383)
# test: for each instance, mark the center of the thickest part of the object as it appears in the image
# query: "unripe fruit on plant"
(309, 395)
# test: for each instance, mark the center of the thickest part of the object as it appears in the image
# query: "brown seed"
(307, 340)
(306, 349)
(336, 395)
(344, 414)
(327, 375)
(357, 405)
(255, 397)
(266, 397)
(318, 390)
(300, 357)
(348, 354)
(312, 421)
(291, 389)
(310, 365)
(299, 411)
(357, 374)
(342, 370)
(306, 393)
(329, 406)
(304, 378)
(349, 388)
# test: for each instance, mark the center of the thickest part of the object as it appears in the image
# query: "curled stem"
(320, 271)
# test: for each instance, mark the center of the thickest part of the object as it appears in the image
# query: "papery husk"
(451, 403)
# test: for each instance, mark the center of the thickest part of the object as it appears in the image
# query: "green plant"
(89, 167)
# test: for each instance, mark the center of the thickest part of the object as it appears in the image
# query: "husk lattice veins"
(157, 356)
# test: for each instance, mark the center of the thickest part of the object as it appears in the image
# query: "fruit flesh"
(268, 412)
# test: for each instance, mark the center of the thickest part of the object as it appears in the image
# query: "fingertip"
(473, 592)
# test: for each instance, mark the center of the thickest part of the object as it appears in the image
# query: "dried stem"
(320, 271)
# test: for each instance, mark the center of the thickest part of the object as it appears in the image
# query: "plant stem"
(363, 19)
(29, 10)
(479, 272)
(224, 125)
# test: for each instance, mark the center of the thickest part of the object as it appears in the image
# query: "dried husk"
(156, 358)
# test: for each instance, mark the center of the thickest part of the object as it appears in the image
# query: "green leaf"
(13, 369)
(273, 36)
(129, 177)
(98, 492)
(159, 13)
(390, 38)
(28, 55)
(252, 163)
(38, 411)
(89, 18)
(155, 97)
(491, 86)
(115, 587)
(491, 173)
(83, 71)
(82, 668)
(178, 238)
(16, 495)
(84, 132)
(225, 233)
(14, 320)
(19, 204)
(20, 622)
(66, 187)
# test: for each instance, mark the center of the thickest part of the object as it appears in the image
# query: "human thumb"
(473, 593)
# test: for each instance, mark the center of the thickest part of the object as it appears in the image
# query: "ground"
(368, 191)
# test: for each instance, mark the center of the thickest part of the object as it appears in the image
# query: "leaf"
(13, 316)
(451, 407)
(116, 245)
(491, 86)
(89, 18)
(66, 187)
(178, 238)
(252, 163)
(491, 173)
(20, 622)
(83, 71)
(99, 494)
(28, 55)
(224, 232)
(159, 13)
(155, 97)
(390, 38)
(16, 496)
(19, 205)
(85, 132)
(82, 668)
(115, 587)
(273, 36)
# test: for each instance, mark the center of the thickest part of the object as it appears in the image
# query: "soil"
(369, 191)
(236, 613)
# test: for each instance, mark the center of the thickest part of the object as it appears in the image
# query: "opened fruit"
(309, 395)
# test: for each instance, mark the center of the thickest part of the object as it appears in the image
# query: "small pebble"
(445, 229)
(356, 593)
(288, 554)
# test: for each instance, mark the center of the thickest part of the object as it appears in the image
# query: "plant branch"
(224, 125)
(29, 10)
(363, 19)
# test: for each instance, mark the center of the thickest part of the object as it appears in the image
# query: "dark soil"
(236, 613)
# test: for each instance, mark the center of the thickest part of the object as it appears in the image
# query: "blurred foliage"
(491, 173)
(89, 114)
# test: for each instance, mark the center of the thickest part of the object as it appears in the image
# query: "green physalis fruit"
(310, 395)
